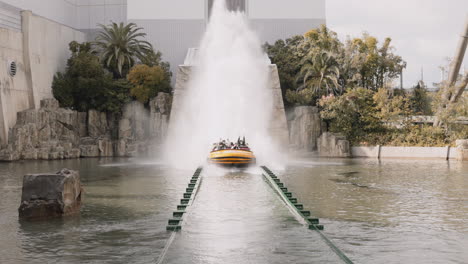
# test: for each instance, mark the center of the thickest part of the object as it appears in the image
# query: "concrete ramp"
(278, 124)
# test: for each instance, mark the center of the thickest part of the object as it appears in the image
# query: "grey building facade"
(177, 25)
(172, 26)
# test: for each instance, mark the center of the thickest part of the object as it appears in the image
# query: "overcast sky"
(424, 32)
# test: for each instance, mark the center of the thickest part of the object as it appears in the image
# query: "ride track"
(297, 210)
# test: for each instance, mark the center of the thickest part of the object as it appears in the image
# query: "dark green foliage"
(367, 117)
(420, 103)
(287, 57)
(321, 63)
(87, 85)
(121, 46)
(155, 59)
(147, 82)
(353, 114)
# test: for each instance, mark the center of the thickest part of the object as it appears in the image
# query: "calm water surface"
(376, 212)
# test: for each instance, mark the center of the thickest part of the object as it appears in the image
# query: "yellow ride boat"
(232, 157)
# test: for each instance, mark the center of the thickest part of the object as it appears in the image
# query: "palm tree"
(320, 73)
(120, 46)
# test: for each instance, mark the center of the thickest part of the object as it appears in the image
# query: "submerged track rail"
(176, 222)
(297, 209)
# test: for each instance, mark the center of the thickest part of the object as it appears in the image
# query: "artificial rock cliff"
(305, 127)
(57, 133)
(50, 195)
(333, 145)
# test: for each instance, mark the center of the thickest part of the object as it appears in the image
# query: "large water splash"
(228, 95)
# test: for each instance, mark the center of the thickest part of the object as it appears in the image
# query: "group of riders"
(226, 144)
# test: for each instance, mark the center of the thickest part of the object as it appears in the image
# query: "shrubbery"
(350, 81)
(147, 82)
(367, 117)
(353, 114)
(87, 85)
(96, 73)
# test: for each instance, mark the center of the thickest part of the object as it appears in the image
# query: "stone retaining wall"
(383, 152)
(57, 133)
(305, 127)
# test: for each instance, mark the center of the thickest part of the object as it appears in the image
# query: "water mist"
(228, 95)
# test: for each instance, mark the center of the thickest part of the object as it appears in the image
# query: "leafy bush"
(302, 97)
(366, 117)
(353, 114)
(420, 100)
(392, 105)
(147, 82)
(85, 84)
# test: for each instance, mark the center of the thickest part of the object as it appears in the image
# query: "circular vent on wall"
(12, 68)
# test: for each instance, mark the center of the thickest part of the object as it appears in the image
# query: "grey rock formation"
(462, 149)
(97, 124)
(49, 104)
(160, 108)
(50, 195)
(278, 124)
(305, 127)
(47, 133)
(333, 145)
(56, 133)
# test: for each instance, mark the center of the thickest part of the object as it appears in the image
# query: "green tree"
(392, 105)
(322, 39)
(85, 84)
(420, 101)
(121, 46)
(319, 73)
(319, 61)
(147, 82)
(287, 57)
(376, 66)
(352, 114)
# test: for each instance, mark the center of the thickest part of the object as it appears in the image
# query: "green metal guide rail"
(297, 209)
(175, 223)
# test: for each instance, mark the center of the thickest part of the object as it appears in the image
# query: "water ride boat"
(232, 155)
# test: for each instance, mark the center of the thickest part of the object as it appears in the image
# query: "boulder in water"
(333, 145)
(50, 195)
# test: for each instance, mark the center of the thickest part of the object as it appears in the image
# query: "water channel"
(393, 211)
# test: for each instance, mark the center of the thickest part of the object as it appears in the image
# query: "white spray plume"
(228, 94)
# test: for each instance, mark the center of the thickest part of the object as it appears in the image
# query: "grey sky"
(424, 32)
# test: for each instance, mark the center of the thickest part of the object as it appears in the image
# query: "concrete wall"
(90, 13)
(10, 17)
(60, 11)
(40, 50)
(14, 91)
(163, 9)
(291, 9)
(46, 50)
(279, 19)
(278, 123)
(175, 26)
(173, 37)
(404, 152)
(78, 14)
